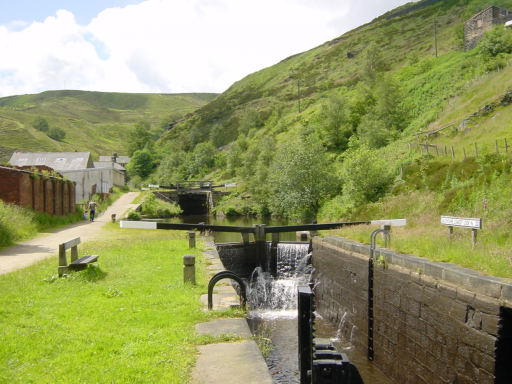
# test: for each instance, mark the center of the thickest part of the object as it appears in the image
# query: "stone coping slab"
(237, 327)
(231, 363)
(495, 287)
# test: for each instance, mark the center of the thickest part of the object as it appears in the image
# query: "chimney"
(114, 158)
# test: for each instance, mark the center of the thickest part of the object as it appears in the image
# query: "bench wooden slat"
(82, 262)
(71, 243)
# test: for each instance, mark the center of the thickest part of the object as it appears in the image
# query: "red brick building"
(37, 191)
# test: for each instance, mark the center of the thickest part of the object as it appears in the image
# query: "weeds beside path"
(46, 244)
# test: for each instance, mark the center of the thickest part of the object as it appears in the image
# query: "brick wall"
(433, 322)
(50, 195)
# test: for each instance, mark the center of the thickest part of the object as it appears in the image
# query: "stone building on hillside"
(115, 158)
(483, 21)
(78, 167)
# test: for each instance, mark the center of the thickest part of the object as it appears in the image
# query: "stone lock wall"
(433, 322)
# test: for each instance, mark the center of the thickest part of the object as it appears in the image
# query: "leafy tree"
(373, 62)
(497, 40)
(41, 124)
(141, 164)
(300, 177)
(334, 123)
(366, 177)
(139, 137)
(171, 167)
(201, 160)
(56, 133)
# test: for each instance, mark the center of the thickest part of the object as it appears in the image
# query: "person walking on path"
(92, 210)
(31, 251)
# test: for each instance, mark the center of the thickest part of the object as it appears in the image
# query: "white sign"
(392, 222)
(153, 186)
(461, 222)
(137, 224)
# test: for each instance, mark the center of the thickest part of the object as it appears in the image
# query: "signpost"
(463, 222)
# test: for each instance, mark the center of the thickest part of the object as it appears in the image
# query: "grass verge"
(128, 320)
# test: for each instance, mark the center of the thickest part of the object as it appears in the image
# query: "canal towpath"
(46, 244)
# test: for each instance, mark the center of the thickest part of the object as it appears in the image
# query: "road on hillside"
(46, 245)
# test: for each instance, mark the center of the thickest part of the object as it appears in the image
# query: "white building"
(90, 177)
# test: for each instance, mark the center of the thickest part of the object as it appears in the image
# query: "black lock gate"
(319, 361)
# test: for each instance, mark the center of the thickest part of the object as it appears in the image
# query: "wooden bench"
(76, 264)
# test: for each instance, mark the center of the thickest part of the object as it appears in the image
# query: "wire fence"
(477, 149)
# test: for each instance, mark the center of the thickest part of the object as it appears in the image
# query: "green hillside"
(341, 132)
(92, 121)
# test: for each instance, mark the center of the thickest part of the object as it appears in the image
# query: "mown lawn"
(129, 320)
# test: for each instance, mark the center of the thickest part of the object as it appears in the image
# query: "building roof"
(485, 9)
(108, 164)
(60, 161)
(119, 159)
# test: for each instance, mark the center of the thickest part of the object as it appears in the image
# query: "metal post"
(191, 239)
(304, 309)
(373, 236)
(189, 269)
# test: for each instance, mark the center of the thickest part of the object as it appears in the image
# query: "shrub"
(56, 133)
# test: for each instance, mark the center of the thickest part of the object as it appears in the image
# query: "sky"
(162, 46)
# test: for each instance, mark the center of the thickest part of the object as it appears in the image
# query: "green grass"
(128, 320)
(93, 121)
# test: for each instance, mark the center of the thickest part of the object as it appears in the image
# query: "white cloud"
(164, 45)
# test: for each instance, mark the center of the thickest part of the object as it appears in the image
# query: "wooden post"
(437, 150)
(273, 254)
(496, 145)
(445, 151)
(245, 238)
(473, 237)
(191, 239)
(476, 150)
(453, 152)
(464, 150)
(506, 145)
(63, 264)
(450, 230)
(189, 269)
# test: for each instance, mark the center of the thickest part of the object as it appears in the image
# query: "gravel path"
(46, 245)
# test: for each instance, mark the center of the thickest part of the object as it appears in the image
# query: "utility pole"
(298, 92)
(435, 35)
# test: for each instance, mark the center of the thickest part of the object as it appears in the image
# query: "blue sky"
(38, 10)
(162, 46)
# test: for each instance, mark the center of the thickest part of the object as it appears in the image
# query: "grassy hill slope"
(93, 121)
(338, 132)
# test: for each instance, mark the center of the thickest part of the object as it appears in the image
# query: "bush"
(157, 208)
(56, 133)
(133, 215)
(41, 124)
(366, 177)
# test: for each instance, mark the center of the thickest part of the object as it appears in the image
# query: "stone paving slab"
(237, 327)
(231, 363)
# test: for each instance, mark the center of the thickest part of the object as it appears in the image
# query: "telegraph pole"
(298, 92)
(435, 35)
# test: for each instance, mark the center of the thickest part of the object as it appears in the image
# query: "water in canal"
(273, 306)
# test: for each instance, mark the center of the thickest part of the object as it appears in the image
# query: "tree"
(139, 137)
(141, 163)
(334, 124)
(300, 177)
(56, 133)
(41, 124)
(366, 177)
(497, 40)
(374, 62)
